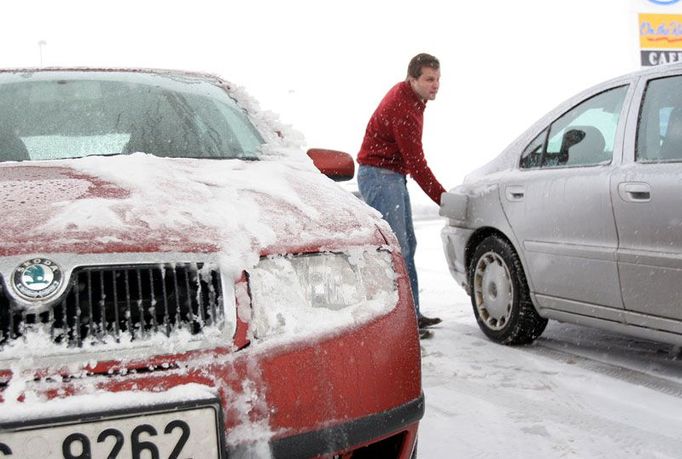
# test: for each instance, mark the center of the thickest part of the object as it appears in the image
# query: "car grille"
(123, 303)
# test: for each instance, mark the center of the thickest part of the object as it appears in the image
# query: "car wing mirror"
(572, 137)
(336, 165)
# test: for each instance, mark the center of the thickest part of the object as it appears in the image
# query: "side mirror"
(336, 165)
(571, 138)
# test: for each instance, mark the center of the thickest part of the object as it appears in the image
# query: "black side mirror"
(571, 137)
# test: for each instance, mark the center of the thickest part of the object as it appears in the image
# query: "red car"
(179, 280)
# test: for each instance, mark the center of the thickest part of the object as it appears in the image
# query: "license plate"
(184, 432)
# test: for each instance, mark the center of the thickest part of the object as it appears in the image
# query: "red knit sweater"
(393, 139)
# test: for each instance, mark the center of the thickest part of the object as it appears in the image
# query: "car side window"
(583, 136)
(659, 129)
(532, 155)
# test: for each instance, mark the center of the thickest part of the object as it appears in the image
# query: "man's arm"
(408, 134)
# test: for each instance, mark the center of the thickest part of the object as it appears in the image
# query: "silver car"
(580, 218)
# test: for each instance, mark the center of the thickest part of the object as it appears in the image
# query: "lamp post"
(41, 43)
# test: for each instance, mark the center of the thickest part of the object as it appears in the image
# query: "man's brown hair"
(421, 60)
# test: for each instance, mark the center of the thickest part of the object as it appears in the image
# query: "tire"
(499, 294)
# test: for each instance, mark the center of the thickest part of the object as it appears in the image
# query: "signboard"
(660, 38)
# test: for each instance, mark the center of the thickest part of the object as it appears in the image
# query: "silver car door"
(647, 199)
(558, 204)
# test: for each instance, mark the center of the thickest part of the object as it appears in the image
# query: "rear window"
(659, 131)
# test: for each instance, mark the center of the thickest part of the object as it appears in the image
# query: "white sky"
(324, 66)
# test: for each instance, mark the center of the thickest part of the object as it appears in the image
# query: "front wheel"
(499, 294)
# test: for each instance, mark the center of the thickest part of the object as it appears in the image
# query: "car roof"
(658, 69)
(208, 77)
(502, 160)
(645, 72)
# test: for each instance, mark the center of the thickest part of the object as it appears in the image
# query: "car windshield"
(60, 115)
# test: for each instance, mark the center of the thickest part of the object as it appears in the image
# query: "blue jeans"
(386, 191)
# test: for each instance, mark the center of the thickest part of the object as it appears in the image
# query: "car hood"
(142, 203)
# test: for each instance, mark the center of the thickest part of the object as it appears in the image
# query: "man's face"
(426, 86)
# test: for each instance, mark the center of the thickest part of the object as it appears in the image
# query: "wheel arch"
(478, 236)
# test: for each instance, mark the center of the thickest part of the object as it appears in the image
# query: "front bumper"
(397, 426)
(455, 240)
(356, 388)
(393, 431)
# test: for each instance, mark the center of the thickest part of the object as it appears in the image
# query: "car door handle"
(515, 193)
(634, 191)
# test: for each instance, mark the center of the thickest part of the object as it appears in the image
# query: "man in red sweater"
(392, 149)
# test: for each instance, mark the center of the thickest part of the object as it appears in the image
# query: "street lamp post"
(41, 43)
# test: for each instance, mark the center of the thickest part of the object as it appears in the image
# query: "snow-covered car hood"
(142, 203)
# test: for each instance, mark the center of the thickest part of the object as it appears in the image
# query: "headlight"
(320, 292)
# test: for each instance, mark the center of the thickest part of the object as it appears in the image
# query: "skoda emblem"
(37, 279)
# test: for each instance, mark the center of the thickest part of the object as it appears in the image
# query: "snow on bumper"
(306, 397)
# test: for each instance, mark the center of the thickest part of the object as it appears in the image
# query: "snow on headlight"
(322, 292)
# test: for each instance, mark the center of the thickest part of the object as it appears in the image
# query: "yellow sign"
(660, 31)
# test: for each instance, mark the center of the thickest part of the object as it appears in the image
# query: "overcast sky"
(323, 66)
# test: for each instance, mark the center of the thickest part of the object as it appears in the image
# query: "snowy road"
(576, 392)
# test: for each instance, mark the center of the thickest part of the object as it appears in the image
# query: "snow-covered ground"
(576, 392)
